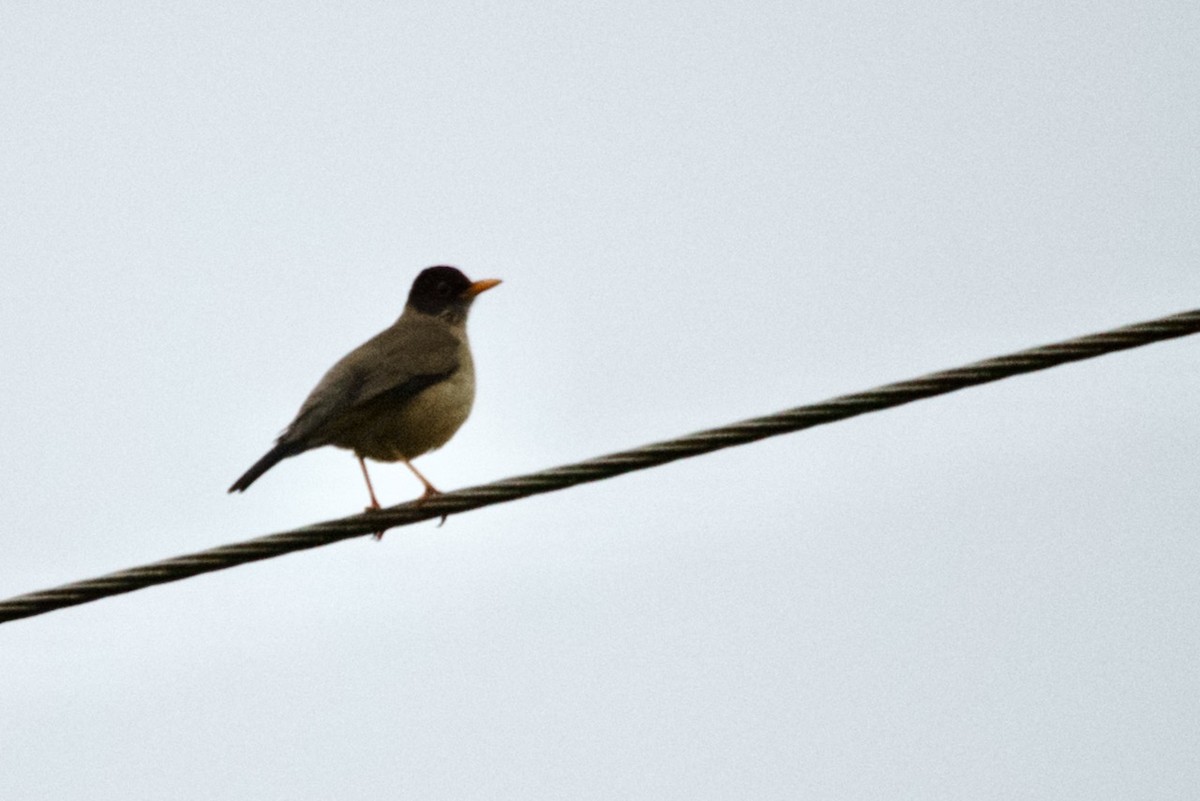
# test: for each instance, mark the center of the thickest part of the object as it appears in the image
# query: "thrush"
(400, 394)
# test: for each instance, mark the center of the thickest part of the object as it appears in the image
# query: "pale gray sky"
(701, 213)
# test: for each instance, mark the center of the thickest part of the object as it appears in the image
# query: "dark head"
(445, 292)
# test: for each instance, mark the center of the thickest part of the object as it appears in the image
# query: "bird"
(401, 394)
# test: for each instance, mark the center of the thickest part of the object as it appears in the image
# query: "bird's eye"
(443, 288)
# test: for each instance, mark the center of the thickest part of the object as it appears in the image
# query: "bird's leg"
(374, 501)
(430, 490)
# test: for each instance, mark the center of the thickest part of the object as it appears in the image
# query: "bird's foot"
(431, 492)
(374, 507)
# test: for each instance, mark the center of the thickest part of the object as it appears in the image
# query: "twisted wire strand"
(602, 467)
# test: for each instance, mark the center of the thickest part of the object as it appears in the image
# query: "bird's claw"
(431, 492)
(378, 535)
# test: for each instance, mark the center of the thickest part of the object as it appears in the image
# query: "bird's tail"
(277, 454)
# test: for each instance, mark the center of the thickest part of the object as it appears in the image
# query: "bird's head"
(444, 291)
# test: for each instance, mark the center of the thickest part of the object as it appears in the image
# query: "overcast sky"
(701, 212)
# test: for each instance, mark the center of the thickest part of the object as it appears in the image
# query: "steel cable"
(746, 431)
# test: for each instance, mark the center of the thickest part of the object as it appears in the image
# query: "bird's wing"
(399, 362)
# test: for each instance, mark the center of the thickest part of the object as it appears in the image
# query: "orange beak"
(480, 286)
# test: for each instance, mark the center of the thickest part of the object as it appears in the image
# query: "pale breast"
(423, 423)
